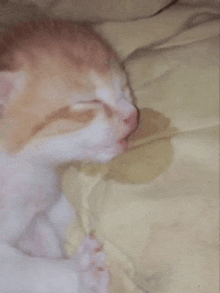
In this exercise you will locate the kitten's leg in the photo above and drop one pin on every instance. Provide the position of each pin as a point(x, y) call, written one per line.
point(21, 273)
point(47, 232)
point(24, 274)
point(90, 260)
point(86, 272)
point(42, 239)
point(61, 215)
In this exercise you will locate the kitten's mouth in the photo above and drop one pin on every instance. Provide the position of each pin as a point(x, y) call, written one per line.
point(124, 143)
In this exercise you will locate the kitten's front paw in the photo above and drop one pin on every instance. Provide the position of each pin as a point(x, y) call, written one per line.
point(93, 271)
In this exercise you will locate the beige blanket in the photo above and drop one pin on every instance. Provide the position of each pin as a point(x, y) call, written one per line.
point(155, 208)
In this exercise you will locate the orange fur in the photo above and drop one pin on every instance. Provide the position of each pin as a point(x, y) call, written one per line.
point(40, 104)
point(77, 43)
point(57, 56)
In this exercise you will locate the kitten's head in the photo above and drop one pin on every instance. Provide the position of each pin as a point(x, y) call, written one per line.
point(63, 95)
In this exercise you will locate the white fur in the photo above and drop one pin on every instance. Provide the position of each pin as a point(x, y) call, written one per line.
point(34, 214)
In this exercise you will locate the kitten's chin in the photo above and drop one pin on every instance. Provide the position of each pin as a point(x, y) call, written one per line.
point(106, 155)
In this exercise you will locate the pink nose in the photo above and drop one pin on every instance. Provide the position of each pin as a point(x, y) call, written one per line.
point(131, 121)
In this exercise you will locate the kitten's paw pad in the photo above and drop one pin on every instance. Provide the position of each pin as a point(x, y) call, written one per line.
point(92, 266)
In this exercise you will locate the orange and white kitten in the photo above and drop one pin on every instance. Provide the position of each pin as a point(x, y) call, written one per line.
point(63, 97)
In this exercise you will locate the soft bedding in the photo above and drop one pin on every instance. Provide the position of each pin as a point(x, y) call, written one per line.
point(155, 208)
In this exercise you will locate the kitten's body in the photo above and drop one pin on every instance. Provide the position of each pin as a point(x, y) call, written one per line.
point(63, 98)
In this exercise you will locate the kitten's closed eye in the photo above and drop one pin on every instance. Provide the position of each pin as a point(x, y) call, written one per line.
point(94, 101)
point(84, 104)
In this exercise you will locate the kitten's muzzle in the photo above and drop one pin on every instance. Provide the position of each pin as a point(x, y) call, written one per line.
point(131, 121)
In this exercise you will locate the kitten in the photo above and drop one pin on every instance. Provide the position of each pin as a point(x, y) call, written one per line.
point(63, 97)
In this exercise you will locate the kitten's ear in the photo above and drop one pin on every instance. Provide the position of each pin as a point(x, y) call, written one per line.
point(11, 85)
